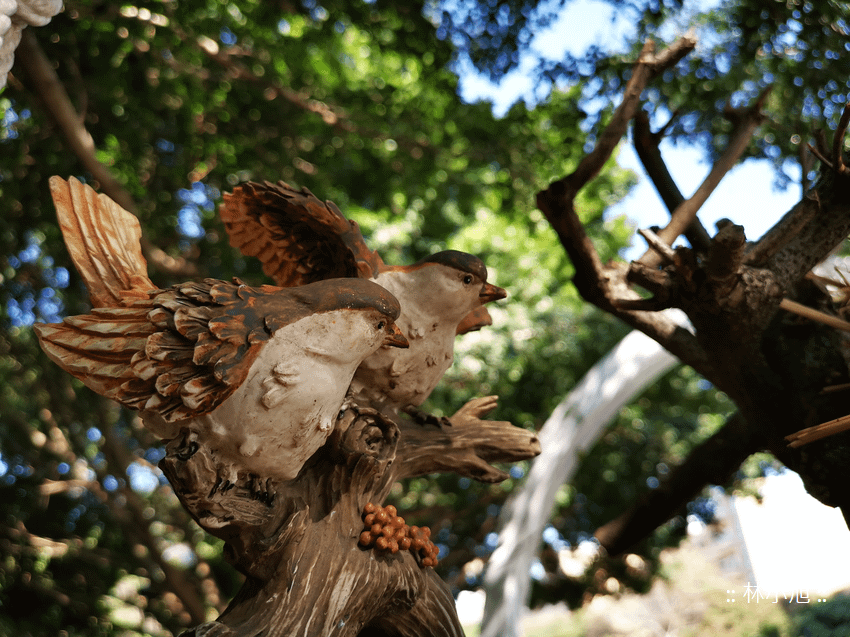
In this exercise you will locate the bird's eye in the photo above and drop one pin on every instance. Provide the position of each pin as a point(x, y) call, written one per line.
point(467, 279)
point(340, 414)
point(381, 325)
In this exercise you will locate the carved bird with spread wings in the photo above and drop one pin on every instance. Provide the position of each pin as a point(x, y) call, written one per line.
point(259, 372)
point(299, 239)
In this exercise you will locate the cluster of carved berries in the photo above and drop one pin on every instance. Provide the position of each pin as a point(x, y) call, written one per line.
point(386, 530)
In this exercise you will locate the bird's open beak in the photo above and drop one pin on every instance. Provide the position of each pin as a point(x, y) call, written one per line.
point(490, 292)
point(395, 338)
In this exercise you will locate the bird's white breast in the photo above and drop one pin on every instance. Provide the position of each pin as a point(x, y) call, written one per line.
point(402, 377)
point(286, 407)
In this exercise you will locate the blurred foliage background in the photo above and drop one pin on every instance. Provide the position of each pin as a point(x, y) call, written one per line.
point(357, 101)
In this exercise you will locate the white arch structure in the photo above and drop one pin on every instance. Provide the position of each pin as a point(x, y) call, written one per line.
point(575, 424)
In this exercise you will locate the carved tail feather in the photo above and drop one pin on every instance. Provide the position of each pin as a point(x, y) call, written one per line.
point(103, 240)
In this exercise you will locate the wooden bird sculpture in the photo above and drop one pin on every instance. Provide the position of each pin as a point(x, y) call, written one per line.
point(299, 239)
point(260, 373)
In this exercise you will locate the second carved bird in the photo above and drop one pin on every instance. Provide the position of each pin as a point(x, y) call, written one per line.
point(299, 239)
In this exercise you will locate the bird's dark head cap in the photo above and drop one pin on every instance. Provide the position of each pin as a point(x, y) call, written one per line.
point(459, 261)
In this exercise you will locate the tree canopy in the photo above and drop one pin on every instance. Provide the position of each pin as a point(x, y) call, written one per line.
point(163, 106)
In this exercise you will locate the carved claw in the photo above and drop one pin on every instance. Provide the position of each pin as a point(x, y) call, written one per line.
point(476, 409)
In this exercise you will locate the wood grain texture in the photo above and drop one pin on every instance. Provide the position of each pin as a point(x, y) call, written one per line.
point(297, 541)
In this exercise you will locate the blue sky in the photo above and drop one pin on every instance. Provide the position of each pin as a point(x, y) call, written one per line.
point(746, 195)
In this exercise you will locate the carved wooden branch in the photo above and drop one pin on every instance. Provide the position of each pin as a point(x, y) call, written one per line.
point(467, 447)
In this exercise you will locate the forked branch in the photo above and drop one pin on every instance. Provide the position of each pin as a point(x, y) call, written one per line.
point(605, 285)
point(646, 145)
point(685, 213)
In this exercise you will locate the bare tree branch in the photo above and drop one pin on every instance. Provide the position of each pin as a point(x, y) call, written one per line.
point(712, 462)
point(646, 146)
point(814, 315)
point(665, 252)
point(56, 101)
point(685, 213)
point(818, 432)
point(648, 66)
point(772, 368)
point(605, 285)
point(54, 98)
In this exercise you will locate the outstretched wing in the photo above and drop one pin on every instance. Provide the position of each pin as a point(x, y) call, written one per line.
point(183, 351)
point(180, 353)
point(97, 348)
point(103, 241)
point(298, 238)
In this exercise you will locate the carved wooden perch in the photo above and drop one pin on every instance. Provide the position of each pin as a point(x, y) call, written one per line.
point(297, 541)
point(773, 364)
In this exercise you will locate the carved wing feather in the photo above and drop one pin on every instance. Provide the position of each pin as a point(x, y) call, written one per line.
point(159, 355)
point(298, 238)
point(98, 352)
point(103, 240)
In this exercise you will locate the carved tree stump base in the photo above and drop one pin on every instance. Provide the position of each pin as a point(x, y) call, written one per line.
point(297, 541)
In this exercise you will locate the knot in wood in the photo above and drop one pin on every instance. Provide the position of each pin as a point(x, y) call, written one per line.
point(363, 431)
point(725, 256)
